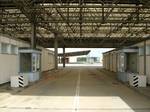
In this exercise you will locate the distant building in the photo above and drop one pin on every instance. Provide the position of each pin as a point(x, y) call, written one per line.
point(71, 54)
point(88, 60)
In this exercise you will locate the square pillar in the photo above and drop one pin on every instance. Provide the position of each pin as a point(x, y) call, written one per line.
point(56, 52)
point(33, 37)
point(64, 58)
point(144, 58)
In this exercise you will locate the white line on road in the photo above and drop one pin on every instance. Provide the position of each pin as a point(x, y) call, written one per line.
point(77, 97)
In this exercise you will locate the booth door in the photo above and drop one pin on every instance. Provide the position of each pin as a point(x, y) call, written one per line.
point(132, 62)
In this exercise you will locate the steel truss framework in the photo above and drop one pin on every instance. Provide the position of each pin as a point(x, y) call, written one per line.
point(77, 23)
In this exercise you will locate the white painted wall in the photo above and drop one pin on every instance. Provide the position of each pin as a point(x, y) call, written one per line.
point(8, 67)
point(114, 62)
point(107, 61)
point(141, 61)
point(141, 65)
point(110, 61)
point(47, 60)
point(9, 62)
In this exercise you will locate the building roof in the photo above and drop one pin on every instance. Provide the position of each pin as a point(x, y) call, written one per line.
point(78, 53)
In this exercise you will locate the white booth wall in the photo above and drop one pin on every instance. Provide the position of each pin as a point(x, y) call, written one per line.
point(110, 61)
point(141, 59)
point(47, 58)
point(115, 62)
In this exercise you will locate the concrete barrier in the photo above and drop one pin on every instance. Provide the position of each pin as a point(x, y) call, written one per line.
point(136, 80)
point(19, 81)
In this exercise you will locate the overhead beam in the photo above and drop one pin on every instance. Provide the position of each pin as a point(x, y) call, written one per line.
point(76, 21)
point(93, 42)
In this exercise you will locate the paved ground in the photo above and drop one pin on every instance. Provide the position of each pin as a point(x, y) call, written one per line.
point(78, 89)
point(82, 64)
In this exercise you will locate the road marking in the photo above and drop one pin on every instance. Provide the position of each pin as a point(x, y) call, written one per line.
point(77, 97)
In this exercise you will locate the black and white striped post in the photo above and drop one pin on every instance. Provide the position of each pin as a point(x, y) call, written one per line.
point(135, 81)
point(21, 81)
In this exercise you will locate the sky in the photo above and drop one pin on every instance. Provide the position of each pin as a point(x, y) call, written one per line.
point(95, 52)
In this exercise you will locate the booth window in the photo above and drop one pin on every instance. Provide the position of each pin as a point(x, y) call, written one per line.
point(25, 62)
point(141, 51)
point(13, 49)
point(4, 48)
point(148, 50)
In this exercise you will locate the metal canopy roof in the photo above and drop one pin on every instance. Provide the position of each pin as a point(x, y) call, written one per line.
point(78, 53)
point(77, 23)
